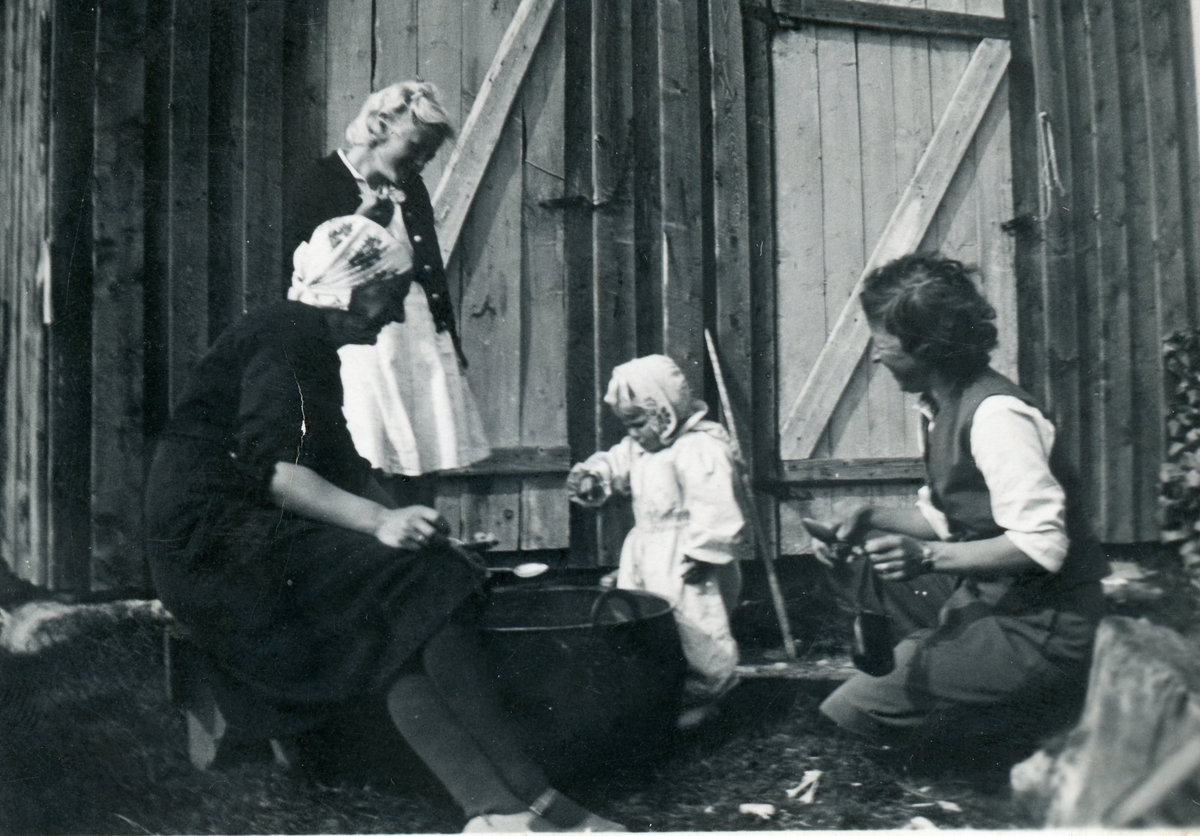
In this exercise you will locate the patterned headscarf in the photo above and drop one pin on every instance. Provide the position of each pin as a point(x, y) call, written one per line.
point(655, 386)
point(342, 254)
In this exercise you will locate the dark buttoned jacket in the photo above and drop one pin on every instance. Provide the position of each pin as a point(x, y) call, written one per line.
point(327, 189)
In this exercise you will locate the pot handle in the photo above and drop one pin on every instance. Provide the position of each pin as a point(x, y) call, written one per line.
point(608, 595)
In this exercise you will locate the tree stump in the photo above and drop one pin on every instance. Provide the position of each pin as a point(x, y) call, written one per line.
point(1134, 755)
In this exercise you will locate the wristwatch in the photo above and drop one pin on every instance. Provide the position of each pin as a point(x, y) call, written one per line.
point(926, 558)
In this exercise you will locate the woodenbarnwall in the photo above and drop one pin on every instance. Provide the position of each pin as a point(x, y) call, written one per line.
point(630, 196)
point(1100, 259)
point(154, 136)
point(1107, 184)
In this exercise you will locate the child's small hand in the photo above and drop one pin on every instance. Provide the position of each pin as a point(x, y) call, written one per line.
point(698, 572)
point(585, 488)
point(608, 581)
point(590, 488)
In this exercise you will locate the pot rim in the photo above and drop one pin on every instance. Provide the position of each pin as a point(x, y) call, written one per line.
point(587, 625)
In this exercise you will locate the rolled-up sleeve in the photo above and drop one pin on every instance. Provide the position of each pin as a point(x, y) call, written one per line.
point(1011, 442)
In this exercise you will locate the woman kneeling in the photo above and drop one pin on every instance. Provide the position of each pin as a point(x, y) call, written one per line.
point(992, 579)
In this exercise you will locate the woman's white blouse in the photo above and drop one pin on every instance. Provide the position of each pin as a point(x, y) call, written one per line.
point(1011, 443)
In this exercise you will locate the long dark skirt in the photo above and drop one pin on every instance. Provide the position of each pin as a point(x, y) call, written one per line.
point(298, 610)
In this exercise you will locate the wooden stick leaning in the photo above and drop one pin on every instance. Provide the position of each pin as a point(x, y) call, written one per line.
point(760, 539)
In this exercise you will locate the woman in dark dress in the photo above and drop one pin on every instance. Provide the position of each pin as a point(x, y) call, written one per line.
point(263, 544)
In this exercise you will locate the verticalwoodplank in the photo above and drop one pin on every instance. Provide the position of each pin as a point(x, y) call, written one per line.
point(545, 513)
point(800, 241)
point(493, 506)
point(1088, 250)
point(440, 62)
point(881, 185)
point(731, 229)
point(227, 154)
point(262, 168)
point(187, 193)
point(613, 291)
point(543, 334)
point(842, 203)
point(1115, 425)
point(757, 47)
point(1139, 227)
point(491, 256)
point(955, 224)
point(448, 503)
point(1058, 254)
point(349, 68)
point(304, 83)
point(580, 381)
point(397, 42)
point(611, 197)
point(799, 283)
point(680, 184)
point(995, 207)
point(118, 227)
point(68, 423)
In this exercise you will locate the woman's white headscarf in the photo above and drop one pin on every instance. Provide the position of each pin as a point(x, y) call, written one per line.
point(342, 254)
point(655, 386)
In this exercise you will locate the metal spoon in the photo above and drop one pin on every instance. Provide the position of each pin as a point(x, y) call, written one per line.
point(522, 570)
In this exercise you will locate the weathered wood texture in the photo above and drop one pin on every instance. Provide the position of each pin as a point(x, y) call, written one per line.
point(1106, 215)
point(663, 167)
point(24, 200)
point(663, 174)
point(906, 138)
point(118, 277)
point(1142, 711)
point(69, 335)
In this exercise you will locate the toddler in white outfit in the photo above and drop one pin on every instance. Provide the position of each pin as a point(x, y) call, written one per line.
point(688, 532)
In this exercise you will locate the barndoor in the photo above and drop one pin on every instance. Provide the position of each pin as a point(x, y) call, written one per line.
point(891, 135)
point(497, 196)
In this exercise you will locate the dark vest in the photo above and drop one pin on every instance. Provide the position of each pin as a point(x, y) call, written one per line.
point(958, 490)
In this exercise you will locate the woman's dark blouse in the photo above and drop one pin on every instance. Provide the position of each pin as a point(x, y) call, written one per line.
point(303, 610)
point(326, 189)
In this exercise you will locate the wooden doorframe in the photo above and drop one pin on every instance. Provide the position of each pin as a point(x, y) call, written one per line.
point(834, 367)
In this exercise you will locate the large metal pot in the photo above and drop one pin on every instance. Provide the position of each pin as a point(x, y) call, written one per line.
point(592, 676)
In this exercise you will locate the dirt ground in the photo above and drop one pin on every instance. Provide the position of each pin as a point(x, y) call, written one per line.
point(90, 744)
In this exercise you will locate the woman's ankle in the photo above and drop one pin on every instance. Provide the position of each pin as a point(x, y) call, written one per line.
point(557, 809)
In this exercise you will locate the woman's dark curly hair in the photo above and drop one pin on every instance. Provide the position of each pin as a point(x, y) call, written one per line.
point(931, 304)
